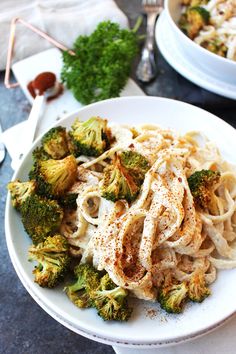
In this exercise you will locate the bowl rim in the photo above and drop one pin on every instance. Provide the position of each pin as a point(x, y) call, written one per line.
point(110, 341)
point(191, 42)
point(66, 322)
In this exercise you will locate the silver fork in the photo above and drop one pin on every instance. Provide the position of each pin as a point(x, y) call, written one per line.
point(147, 69)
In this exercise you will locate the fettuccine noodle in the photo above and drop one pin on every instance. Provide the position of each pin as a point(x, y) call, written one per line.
point(162, 232)
point(219, 35)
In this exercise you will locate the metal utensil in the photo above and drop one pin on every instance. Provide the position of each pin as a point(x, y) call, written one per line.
point(2, 147)
point(147, 69)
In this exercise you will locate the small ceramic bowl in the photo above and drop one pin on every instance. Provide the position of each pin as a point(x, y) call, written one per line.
point(217, 66)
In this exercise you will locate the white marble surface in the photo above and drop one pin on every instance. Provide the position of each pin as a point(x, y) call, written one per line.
point(220, 341)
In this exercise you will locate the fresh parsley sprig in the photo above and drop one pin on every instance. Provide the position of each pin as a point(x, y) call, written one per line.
point(102, 62)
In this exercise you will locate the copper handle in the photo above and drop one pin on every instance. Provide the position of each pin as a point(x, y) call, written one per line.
point(12, 42)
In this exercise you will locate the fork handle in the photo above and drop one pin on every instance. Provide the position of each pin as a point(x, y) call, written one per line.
point(147, 69)
point(151, 20)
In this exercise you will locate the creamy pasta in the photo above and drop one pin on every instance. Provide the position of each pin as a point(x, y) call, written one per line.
point(214, 27)
point(161, 233)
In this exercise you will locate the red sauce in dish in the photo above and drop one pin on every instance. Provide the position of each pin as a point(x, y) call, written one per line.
point(44, 81)
point(31, 89)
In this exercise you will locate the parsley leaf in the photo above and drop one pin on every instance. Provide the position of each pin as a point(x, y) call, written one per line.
point(102, 62)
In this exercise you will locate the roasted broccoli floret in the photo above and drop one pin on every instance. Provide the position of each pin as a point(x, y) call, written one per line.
point(90, 290)
point(90, 138)
point(197, 289)
point(55, 143)
point(20, 191)
point(202, 185)
point(135, 163)
point(106, 283)
point(87, 281)
point(68, 201)
point(216, 46)
point(41, 217)
point(54, 177)
point(172, 298)
point(118, 183)
point(53, 260)
point(40, 154)
point(110, 301)
point(195, 18)
point(194, 2)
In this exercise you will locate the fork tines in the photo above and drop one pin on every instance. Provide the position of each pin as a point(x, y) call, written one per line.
point(152, 2)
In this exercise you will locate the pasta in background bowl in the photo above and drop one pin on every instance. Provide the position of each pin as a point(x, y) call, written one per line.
point(215, 65)
point(211, 24)
point(197, 318)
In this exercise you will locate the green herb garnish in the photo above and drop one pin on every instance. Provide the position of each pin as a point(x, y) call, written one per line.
point(102, 62)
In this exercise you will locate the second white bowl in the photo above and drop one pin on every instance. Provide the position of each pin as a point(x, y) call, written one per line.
point(215, 65)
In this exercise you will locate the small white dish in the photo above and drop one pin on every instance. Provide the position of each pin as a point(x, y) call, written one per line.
point(171, 49)
point(142, 331)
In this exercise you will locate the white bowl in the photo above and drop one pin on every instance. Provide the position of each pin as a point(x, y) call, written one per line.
point(141, 331)
point(215, 65)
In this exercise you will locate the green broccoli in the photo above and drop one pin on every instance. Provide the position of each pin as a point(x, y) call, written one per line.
point(172, 297)
point(40, 154)
point(90, 138)
point(87, 280)
point(110, 301)
point(20, 191)
point(197, 2)
point(118, 183)
point(41, 217)
point(53, 260)
point(215, 45)
point(185, 2)
point(92, 290)
point(54, 177)
point(68, 200)
point(197, 290)
point(135, 163)
point(106, 283)
point(202, 184)
point(55, 143)
point(194, 19)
